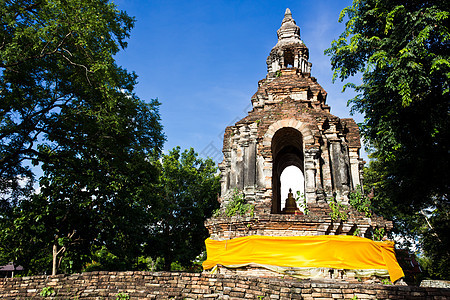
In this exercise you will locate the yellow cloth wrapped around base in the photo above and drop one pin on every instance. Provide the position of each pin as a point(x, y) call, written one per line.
point(324, 251)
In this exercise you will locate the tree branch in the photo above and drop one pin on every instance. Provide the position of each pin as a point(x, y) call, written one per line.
point(78, 65)
point(41, 55)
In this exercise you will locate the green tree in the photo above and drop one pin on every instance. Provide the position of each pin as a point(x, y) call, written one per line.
point(401, 49)
point(23, 236)
point(68, 108)
point(189, 188)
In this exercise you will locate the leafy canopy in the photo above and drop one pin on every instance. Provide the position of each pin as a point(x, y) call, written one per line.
point(67, 108)
point(187, 195)
point(60, 85)
point(401, 50)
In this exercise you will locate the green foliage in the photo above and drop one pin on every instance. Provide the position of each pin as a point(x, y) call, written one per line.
point(378, 234)
point(68, 108)
point(360, 201)
point(429, 226)
point(386, 281)
point(401, 51)
point(301, 202)
point(186, 196)
point(103, 259)
point(176, 266)
point(147, 263)
point(434, 234)
point(47, 291)
point(338, 210)
point(122, 296)
point(238, 206)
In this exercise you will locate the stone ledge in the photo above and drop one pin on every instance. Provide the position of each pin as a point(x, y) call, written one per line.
point(177, 285)
point(317, 222)
point(436, 283)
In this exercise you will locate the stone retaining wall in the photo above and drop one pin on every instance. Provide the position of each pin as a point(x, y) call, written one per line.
point(436, 283)
point(165, 285)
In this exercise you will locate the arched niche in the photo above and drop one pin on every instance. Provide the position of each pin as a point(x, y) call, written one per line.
point(291, 178)
point(288, 58)
point(287, 150)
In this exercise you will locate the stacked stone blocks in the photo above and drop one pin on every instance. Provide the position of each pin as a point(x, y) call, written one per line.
point(165, 285)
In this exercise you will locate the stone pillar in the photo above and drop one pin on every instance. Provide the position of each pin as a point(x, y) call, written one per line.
point(354, 167)
point(326, 170)
point(250, 171)
point(224, 168)
point(320, 192)
point(361, 171)
point(234, 160)
point(240, 168)
point(281, 60)
point(275, 66)
point(335, 149)
point(260, 176)
point(340, 169)
point(250, 166)
point(310, 175)
point(232, 175)
point(308, 68)
point(344, 168)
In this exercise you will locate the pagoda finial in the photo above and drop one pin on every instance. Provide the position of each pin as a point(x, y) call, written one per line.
point(289, 52)
point(289, 31)
point(288, 14)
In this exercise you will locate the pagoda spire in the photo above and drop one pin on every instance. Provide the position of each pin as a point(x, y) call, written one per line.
point(288, 13)
point(290, 51)
point(289, 32)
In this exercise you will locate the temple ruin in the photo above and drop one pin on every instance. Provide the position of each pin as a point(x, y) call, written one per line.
point(290, 125)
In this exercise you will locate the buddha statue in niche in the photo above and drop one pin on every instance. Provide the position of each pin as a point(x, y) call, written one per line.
point(291, 205)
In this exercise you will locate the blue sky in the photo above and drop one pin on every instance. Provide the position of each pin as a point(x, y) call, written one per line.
point(203, 60)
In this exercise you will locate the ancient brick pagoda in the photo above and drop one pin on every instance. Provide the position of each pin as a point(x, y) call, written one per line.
point(290, 125)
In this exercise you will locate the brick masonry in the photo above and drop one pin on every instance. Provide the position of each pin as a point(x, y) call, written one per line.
point(290, 124)
point(317, 222)
point(170, 285)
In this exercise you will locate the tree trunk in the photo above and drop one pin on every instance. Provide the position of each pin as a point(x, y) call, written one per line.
point(55, 254)
point(167, 264)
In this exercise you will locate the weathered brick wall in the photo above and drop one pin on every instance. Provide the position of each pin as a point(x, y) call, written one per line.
point(164, 285)
point(316, 222)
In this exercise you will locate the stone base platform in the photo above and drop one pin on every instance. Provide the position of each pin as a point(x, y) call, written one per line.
point(316, 222)
point(333, 275)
